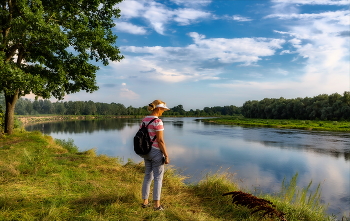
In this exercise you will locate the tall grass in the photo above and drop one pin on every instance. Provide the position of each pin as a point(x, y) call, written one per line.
point(46, 179)
point(303, 197)
point(301, 203)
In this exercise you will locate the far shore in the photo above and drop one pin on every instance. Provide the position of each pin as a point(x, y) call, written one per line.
point(314, 125)
point(33, 119)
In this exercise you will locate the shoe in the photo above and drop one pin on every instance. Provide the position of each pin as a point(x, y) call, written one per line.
point(159, 208)
point(145, 205)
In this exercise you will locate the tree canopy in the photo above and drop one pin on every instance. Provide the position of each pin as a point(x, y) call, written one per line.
point(320, 107)
point(48, 47)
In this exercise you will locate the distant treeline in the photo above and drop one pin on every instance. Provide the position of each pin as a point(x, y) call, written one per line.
point(30, 107)
point(321, 107)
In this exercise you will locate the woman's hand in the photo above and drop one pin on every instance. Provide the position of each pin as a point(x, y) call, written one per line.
point(167, 161)
point(161, 145)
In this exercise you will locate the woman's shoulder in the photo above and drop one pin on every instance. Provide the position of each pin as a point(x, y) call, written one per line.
point(156, 121)
point(149, 118)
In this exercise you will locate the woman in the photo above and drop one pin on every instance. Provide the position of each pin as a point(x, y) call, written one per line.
point(157, 157)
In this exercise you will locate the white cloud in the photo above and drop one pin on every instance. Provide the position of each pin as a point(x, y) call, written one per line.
point(236, 50)
point(280, 71)
point(158, 15)
point(125, 93)
point(314, 2)
point(286, 52)
point(241, 18)
point(130, 28)
point(255, 75)
point(341, 17)
point(204, 59)
point(132, 8)
point(187, 16)
point(190, 3)
point(317, 39)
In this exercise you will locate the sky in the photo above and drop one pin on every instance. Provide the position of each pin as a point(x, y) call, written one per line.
point(206, 53)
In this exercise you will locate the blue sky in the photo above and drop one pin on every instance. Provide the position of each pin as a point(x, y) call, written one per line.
point(205, 53)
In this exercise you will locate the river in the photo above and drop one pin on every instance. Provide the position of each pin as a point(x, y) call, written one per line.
point(259, 158)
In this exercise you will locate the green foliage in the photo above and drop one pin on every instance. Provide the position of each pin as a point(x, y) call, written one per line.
point(304, 109)
point(321, 107)
point(56, 27)
point(303, 199)
point(47, 47)
point(28, 107)
point(69, 145)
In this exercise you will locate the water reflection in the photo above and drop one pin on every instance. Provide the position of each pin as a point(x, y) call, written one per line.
point(260, 157)
point(83, 126)
point(334, 144)
point(329, 143)
point(178, 124)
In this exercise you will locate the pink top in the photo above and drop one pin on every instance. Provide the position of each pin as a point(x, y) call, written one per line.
point(156, 125)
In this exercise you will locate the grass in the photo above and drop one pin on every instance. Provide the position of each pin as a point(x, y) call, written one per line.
point(46, 179)
point(341, 126)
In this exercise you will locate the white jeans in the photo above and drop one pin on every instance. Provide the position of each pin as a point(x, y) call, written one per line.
point(154, 169)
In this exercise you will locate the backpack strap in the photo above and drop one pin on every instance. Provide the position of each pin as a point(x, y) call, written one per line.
point(151, 121)
point(155, 136)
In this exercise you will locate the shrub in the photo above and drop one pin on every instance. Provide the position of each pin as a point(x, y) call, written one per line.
point(69, 145)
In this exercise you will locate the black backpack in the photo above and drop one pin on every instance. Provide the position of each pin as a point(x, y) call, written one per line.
point(142, 140)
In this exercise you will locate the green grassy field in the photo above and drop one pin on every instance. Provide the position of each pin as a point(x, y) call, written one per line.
point(46, 179)
point(343, 126)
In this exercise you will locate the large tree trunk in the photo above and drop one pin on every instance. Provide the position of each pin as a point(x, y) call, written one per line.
point(10, 112)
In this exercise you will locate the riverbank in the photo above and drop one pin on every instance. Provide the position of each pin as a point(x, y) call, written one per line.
point(341, 126)
point(43, 118)
point(317, 125)
point(30, 119)
point(46, 179)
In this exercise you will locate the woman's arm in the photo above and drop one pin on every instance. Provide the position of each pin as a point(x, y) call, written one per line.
point(161, 145)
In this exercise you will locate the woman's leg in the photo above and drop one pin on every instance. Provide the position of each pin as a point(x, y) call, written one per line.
point(158, 173)
point(147, 180)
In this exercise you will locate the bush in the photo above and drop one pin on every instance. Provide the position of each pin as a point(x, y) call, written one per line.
point(69, 145)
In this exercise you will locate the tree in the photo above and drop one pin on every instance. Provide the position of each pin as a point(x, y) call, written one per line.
point(178, 109)
point(47, 46)
point(59, 108)
point(118, 109)
point(37, 106)
point(47, 107)
point(21, 107)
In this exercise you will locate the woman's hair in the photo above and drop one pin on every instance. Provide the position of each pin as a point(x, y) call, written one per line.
point(153, 105)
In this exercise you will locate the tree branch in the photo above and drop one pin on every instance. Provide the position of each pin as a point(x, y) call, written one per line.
point(20, 56)
point(11, 52)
